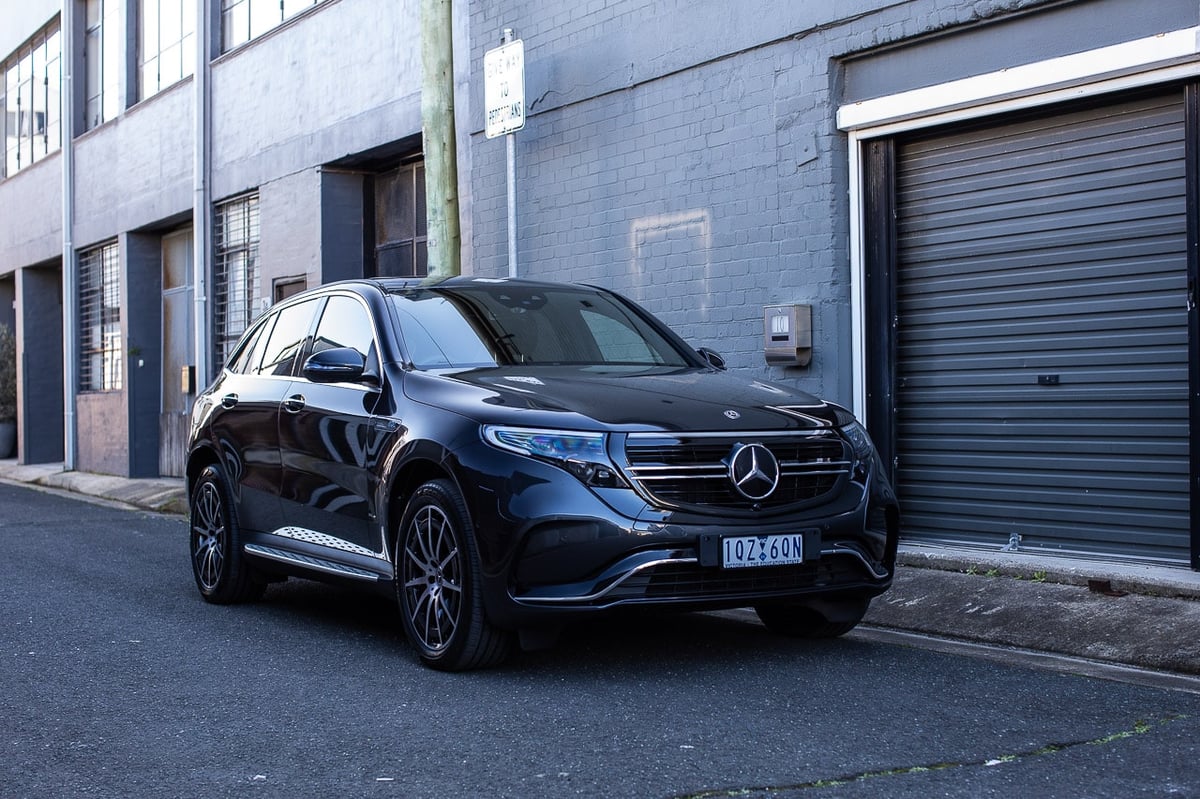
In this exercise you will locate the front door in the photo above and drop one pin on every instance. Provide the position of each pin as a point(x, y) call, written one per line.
point(326, 433)
point(177, 338)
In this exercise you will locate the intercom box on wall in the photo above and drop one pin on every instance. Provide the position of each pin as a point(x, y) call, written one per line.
point(788, 334)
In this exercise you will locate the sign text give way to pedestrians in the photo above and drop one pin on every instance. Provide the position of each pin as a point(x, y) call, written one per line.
point(504, 88)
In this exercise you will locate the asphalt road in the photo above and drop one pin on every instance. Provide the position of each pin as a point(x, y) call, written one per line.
point(117, 680)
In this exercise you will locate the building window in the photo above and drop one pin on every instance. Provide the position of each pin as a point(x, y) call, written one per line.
point(235, 272)
point(29, 98)
point(243, 20)
point(100, 319)
point(400, 224)
point(102, 61)
point(167, 51)
point(285, 287)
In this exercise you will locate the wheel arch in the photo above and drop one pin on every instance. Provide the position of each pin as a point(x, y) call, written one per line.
point(414, 473)
point(200, 458)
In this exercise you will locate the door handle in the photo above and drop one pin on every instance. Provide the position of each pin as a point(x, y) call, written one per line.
point(294, 403)
point(229, 400)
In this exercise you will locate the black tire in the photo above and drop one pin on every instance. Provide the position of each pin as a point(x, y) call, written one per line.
point(437, 584)
point(221, 571)
point(826, 620)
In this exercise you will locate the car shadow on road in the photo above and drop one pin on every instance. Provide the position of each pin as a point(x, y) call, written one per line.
point(611, 642)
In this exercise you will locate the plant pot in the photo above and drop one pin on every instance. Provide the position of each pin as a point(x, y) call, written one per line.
point(8, 439)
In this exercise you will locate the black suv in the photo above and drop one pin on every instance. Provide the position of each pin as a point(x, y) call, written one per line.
point(507, 455)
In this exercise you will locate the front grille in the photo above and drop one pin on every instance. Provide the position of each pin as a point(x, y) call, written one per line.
point(691, 470)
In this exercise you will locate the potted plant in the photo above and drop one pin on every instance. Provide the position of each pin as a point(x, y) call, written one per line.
point(8, 391)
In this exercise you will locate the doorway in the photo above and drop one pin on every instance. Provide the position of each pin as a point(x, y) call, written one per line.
point(178, 390)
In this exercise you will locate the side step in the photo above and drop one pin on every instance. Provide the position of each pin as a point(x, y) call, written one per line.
point(310, 562)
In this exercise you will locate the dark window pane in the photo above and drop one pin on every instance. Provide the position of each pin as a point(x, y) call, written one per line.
point(344, 323)
point(287, 339)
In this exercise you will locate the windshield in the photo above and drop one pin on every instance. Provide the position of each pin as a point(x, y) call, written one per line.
point(496, 324)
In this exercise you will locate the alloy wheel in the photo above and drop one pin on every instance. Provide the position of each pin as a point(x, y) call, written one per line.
point(433, 578)
point(208, 534)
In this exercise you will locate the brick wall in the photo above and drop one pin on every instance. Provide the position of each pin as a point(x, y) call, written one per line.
point(686, 154)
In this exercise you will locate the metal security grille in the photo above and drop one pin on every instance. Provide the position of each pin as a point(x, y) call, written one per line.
point(235, 272)
point(100, 319)
point(1042, 366)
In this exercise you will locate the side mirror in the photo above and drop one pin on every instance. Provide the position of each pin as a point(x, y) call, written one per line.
point(712, 358)
point(337, 365)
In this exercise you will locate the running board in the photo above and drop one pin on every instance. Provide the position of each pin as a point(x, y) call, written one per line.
point(309, 562)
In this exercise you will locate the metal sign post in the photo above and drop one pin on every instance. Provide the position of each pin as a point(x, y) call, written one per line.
point(504, 102)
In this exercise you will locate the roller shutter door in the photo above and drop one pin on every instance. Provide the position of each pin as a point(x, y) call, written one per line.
point(1042, 350)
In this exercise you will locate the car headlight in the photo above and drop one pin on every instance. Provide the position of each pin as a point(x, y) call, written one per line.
point(860, 442)
point(583, 454)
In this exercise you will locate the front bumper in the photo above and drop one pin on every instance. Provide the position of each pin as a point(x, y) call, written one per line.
point(552, 548)
point(691, 575)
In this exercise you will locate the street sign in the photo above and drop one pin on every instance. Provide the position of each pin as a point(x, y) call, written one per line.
point(504, 88)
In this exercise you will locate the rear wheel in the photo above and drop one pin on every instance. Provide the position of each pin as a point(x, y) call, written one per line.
point(221, 571)
point(438, 584)
point(821, 620)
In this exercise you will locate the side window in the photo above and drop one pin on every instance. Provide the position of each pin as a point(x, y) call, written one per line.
point(287, 339)
point(250, 355)
point(617, 342)
point(345, 323)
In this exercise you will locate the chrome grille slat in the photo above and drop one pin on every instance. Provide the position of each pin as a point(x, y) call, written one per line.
point(687, 470)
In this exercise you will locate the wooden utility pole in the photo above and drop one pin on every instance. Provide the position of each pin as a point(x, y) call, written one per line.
point(441, 154)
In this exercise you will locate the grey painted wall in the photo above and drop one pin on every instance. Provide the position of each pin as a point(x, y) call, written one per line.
point(31, 222)
point(351, 82)
point(290, 228)
point(1017, 39)
point(136, 170)
point(686, 153)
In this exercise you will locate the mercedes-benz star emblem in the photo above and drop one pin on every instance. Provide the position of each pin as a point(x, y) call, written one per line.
point(753, 471)
point(732, 414)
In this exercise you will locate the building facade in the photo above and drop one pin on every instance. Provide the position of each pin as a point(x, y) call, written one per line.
point(989, 206)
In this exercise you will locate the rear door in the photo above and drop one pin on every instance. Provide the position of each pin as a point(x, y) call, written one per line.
point(245, 424)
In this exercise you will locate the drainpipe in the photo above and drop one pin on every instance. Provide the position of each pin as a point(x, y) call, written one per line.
point(202, 192)
point(69, 287)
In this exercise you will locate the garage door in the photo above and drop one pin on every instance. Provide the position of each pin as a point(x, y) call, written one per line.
point(1042, 351)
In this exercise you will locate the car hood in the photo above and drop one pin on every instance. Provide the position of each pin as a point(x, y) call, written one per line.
point(622, 399)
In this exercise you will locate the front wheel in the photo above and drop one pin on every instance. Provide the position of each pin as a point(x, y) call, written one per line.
point(438, 587)
point(221, 572)
point(812, 620)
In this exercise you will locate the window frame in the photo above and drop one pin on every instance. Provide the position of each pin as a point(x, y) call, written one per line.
point(255, 18)
point(37, 142)
point(102, 76)
point(411, 173)
point(185, 44)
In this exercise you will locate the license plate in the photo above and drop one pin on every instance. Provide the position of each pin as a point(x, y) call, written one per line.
point(745, 551)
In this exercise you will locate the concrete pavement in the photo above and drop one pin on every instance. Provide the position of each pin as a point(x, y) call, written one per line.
point(1146, 616)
